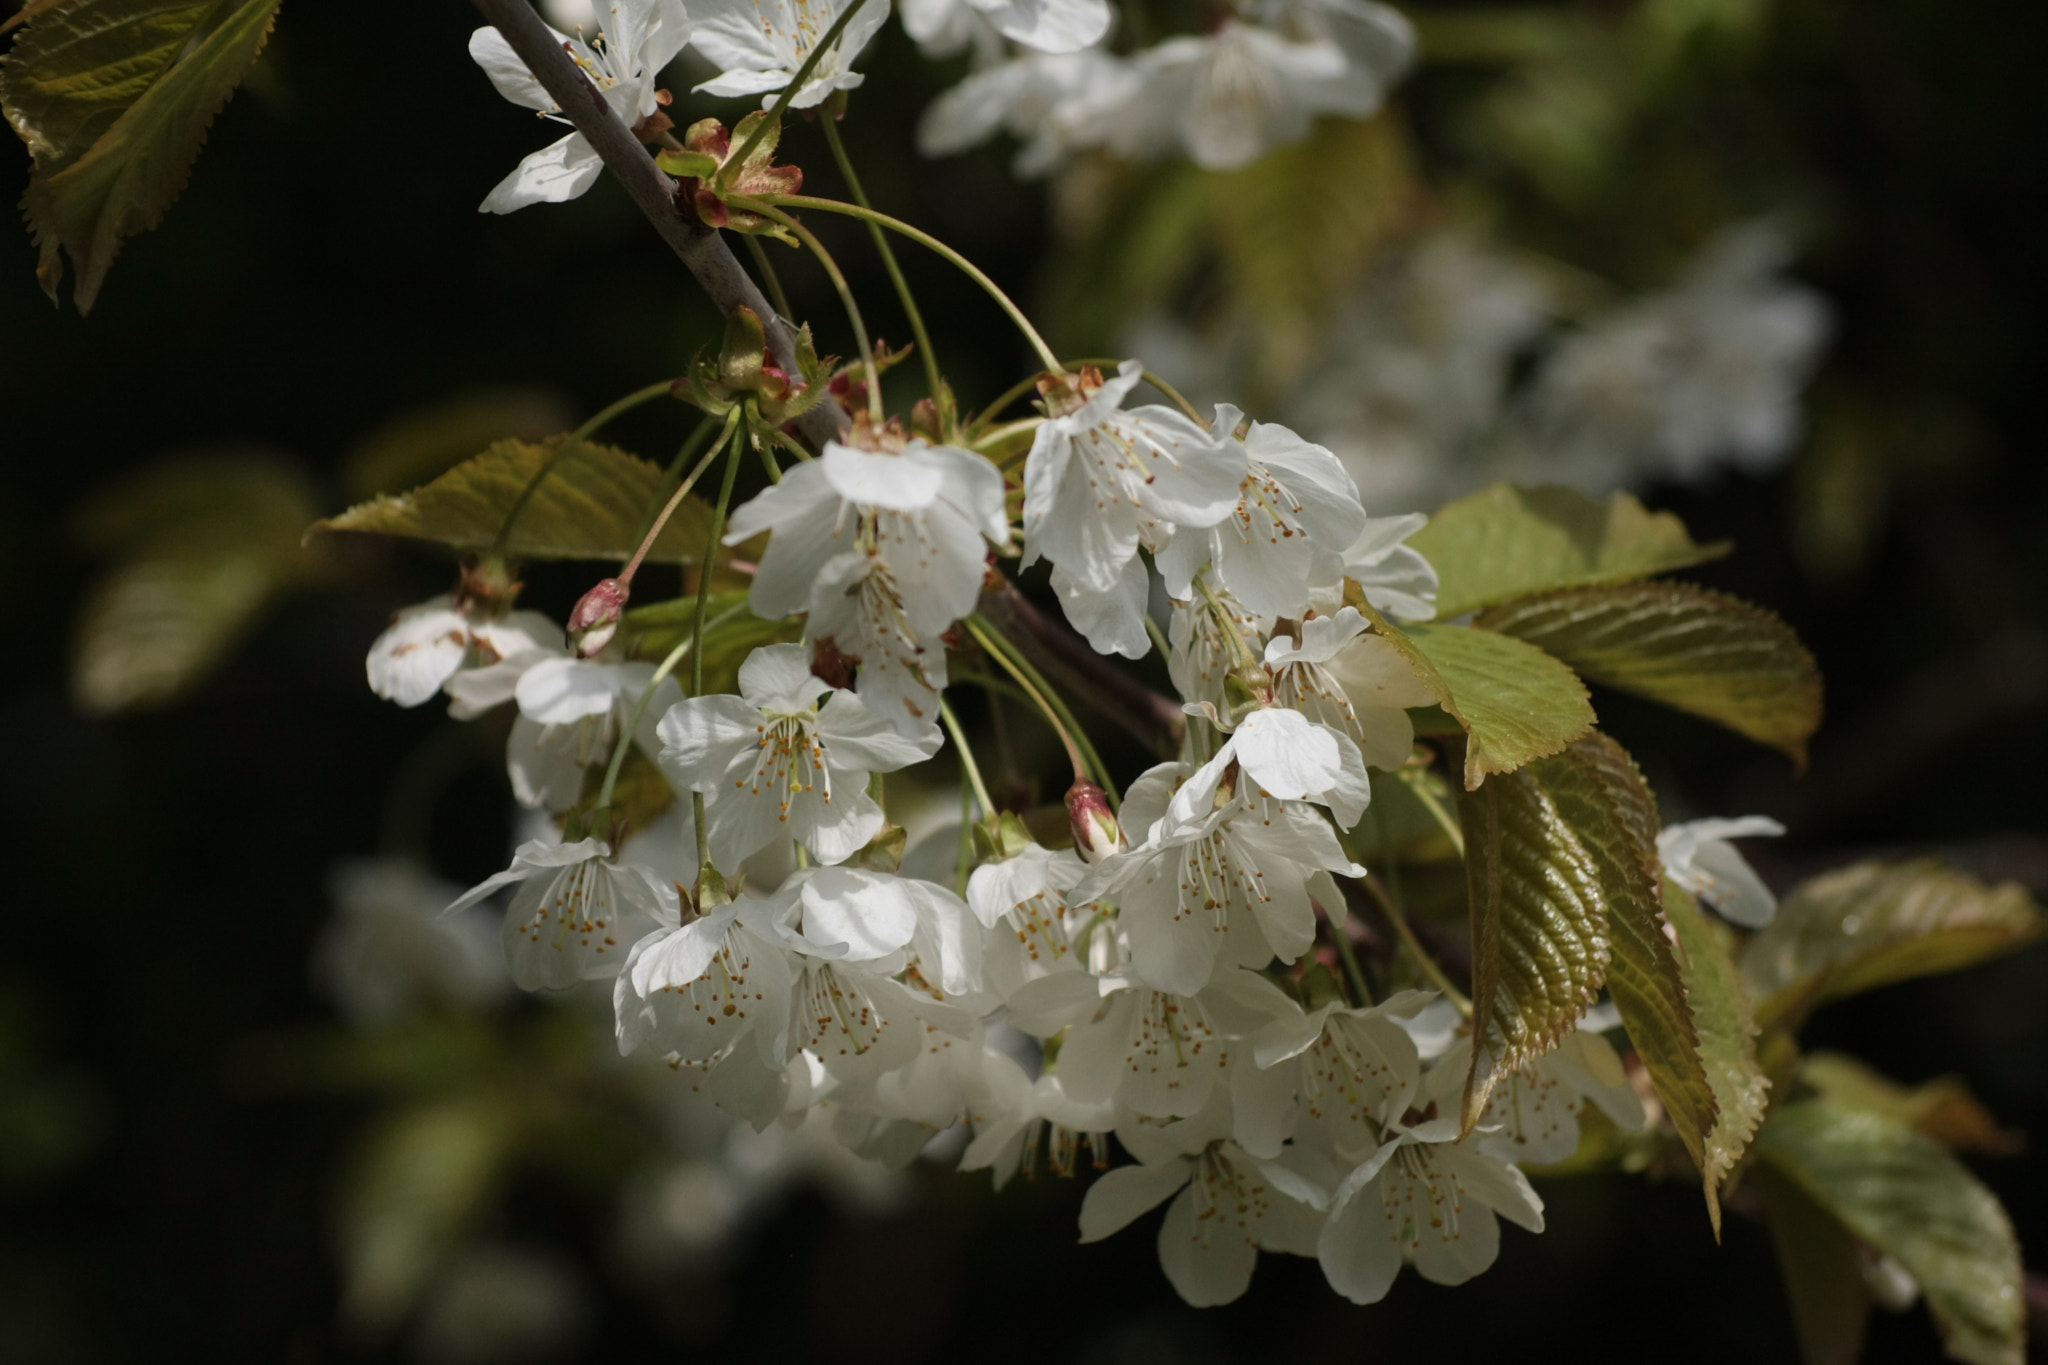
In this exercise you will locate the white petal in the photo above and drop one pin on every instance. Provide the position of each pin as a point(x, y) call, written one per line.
point(879, 481)
point(418, 652)
point(1288, 755)
point(555, 174)
point(1119, 1196)
point(869, 915)
point(702, 736)
point(778, 680)
point(1208, 1261)
point(859, 741)
point(489, 50)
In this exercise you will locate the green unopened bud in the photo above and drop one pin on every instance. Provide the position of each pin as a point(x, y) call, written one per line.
point(1096, 832)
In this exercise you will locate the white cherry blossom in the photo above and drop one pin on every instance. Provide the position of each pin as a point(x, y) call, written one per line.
point(700, 992)
point(1045, 102)
point(1226, 98)
point(1532, 1116)
point(1016, 1117)
point(852, 934)
point(1378, 44)
point(1699, 857)
point(775, 764)
point(885, 552)
point(758, 45)
point(570, 714)
point(1100, 482)
point(388, 951)
point(1681, 383)
point(1032, 920)
point(943, 28)
point(577, 911)
point(1227, 1205)
point(431, 646)
point(1394, 576)
point(1148, 1051)
point(1426, 1199)
point(1286, 537)
point(1339, 675)
point(848, 914)
point(1228, 879)
point(640, 38)
point(1201, 655)
point(1349, 1070)
point(1287, 757)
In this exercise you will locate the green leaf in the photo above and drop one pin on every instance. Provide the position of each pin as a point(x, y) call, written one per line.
point(201, 543)
point(1516, 702)
point(1607, 804)
point(1943, 1108)
point(421, 1179)
point(591, 505)
point(1898, 1190)
point(1727, 1032)
point(1539, 927)
point(1871, 924)
point(1506, 542)
point(651, 632)
point(1695, 650)
point(113, 98)
point(424, 443)
point(1823, 1271)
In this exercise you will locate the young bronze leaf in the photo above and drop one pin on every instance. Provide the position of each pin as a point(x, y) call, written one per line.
point(113, 98)
point(1871, 924)
point(1539, 928)
point(1506, 542)
point(590, 505)
point(1516, 702)
point(1901, 1192)
point(1821, 1263)
point(1698, 651)
point(1727, 1032)
point(1606, 802)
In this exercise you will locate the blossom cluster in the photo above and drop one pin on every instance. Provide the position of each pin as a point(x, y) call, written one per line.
point(1144, 982)
point(1044, 72)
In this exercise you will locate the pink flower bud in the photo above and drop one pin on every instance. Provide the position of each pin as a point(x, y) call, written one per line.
point(596, 617)
point(1096, 833)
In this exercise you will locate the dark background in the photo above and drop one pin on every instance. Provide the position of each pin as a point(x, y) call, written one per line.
point(326, 271)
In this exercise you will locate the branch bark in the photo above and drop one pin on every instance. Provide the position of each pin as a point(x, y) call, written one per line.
point(703, 251)
point(1082, 674)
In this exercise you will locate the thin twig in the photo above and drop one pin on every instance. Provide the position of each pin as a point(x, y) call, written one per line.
point(702, 251)
point(1127, 703)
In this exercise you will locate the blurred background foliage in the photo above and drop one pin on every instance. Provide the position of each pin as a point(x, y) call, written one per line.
point(211, 1142)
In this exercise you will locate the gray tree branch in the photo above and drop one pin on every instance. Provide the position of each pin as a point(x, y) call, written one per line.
point(702, 250)
point(1055, 649)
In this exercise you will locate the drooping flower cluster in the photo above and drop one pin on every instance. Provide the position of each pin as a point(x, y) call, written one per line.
point(1180, 975)
point(1166, 981)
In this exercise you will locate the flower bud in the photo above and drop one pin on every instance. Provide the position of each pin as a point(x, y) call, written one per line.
point(1096, 833)
point(596, 617)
